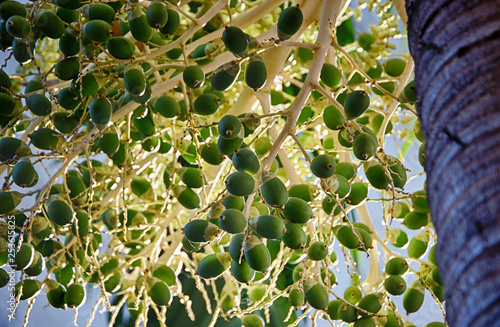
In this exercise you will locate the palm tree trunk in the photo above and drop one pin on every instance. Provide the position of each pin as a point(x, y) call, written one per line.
point(456, 48)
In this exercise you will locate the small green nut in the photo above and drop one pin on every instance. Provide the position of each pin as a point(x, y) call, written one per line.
point(352, 294)
point(348, 238)
point(55, 294)
point(200, 230)
point(297, 210)
point(30, 288)
point(256, 73)
point(235, 40)
point(100, 111)
point(193, 76)
point(418, 245)
point(24, 257)
point(289, 22)
point(120, 47)
point(333, 118)
point(395, 285)
point(232, 221)
point(397, 237)
point(213, 265)
point(296, 297)
point(252, 320)
point(359, 192)
point(396, 266)
point(229, 127)
point(167, 106)
point(419, 201)
point(159, 292)
point(356, 103)
point(240, 184)
point(97, 30)
point(414, 297)
point(376, 175)
point(134, 80)
point(39, 104)
point(416, 220)
point(24, 174)
point(294, 237)
point(257, 254)
point(157, 15)
point(268, 226)
point(37, 266)
point(75, 295)
point(323, 166)
point(225, 77)
point(330, 75)
point(370, 303)
point(242, 271)
point(394, 67)
point(273, 190)
point(317, 251)
point(60, 212)
point(244, 159)
point(206, 104)
point(316, 294)
point(364, 146)
point(188, 198)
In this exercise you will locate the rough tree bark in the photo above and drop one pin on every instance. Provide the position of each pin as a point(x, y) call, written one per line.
point(455, 46)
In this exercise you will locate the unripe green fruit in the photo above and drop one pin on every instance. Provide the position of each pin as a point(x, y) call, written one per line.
point(301, 191)
point(234, 202)
point(396, 266)
point(75, 295)
point(352, 294)
point(252, 320)
point(139, 27)
point(188, 198)
point(11, 8)
point(235, 247)
point(347, 312)
point(67, 99)
point(333, 118)
point(242, 271)
point(273, 191)
point(121, 47)
point(159, 292)
point(76, 187)
point(228, 147)
point(225, 76)
point(370, 303)
point(18, 26)
point(416, 220)
point(135, 81)
point(364, 146)
point(97, 30)
point(294, 237)
point(359, 192)
point(316, 295)
point(55, 294)
point(409, 92)
point(244, 159)
point(418, 245)
point(395, 285)
point(39, 104)
point(200, 230)
point(8, 105)
point(240, 184)
point(235, 40)
point(67, 69)
point(9, 201)
point(419, 201)
point(100, 111)
point(375, 173)
point(330, 75)
point(100, 11)
point(191, 176)
point(414, 297)
point(173, 23)
point(297, 210)
point(46, 139)
point(156, 15)
point(366, 322)
point(232, 221)
point(60, 213)
point(394, 67)
point(296, 297)
point(213, 265)
point(109, 142)
point(333, 309)
point(356, 103)
point(398, 237)
point(256, 73)
point(24, 173)
point(5, 82)
point(317, 251)
point(289, 22)
point(193, 76)
point(257, 254)
point(30, 288)
point(211, 154)
point(346, 169)
point(206, 104)
point(24, 257)
point(398, 173)
point(167, 106)
point(347, 238)
point(164, 273)
point(323, 166)
point(50, 24)
point(344, 187)
point(268, 226)
point(21, 52)
point(37, 266)
point(229, 127)
point(436, 324)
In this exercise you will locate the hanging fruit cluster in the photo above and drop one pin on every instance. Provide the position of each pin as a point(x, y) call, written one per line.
point(205, 139)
